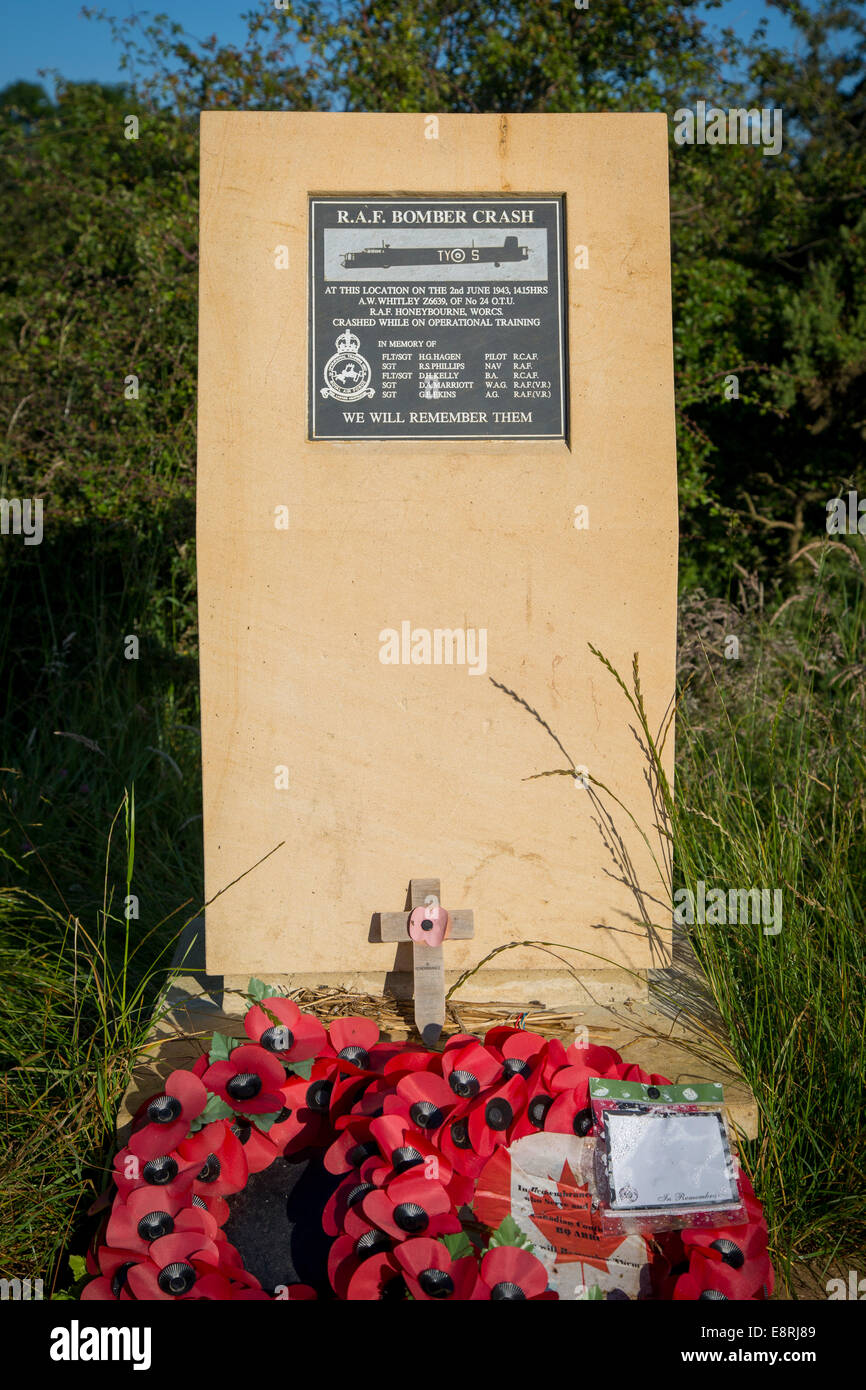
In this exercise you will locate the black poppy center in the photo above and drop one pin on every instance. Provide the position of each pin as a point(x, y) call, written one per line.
point(358, 1193)
point(712, 1296)
point(118, 1278)
point(460, 1134)
point(371, 1243)
point(405, 1157)
point(582, 1123)
point(318, 1096)
point(515, 1066)
point(154, 1225)
point(538, 1108)
point(242, 1130)
point(426, 1115)
point(394, 1289)
point(277, 1039)
point(730, 1252)
point(359, 1055)
point(411, 1218)
point(245, 1085)
point(498, 1114)
point(464, 1084)
point(361, 1152)
point(436, 1283)
point(164, 1110)
point(506, 1292)
point(177, 1278)
point(160, 1170)
point(210, 1169)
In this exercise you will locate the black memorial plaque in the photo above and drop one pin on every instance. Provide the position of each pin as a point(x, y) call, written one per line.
point(437, 318)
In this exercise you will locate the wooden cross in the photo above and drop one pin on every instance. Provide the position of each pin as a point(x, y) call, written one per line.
point(428, 961)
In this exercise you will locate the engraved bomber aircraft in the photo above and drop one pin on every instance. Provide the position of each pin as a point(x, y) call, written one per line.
point(387, 255)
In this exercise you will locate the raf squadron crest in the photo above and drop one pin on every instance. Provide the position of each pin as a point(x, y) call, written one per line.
point(347, 373)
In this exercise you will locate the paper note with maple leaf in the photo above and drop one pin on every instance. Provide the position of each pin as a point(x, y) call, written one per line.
point(545, 1182)
point(566, 1220)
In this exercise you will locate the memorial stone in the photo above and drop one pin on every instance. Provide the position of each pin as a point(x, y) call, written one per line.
point(436, 464)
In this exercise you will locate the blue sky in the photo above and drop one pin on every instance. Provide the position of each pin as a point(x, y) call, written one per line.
point(53, 34)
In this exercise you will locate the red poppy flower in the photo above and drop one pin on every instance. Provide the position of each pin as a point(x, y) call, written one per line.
point(570, 1115)
point(365, 1101)
point(538, 1101)
point(346, 1081)
point(436, 1168)
point(376, 1280)
point(424, 1100)
point(520, 1053)
point(352, 1090)
point(455, 1041)
point(431, 1274)
point(353, 1040)
point(470, 1070)
point(305, 1104)
point(231, 1263)
point(218, 1160)
point(531, 1055)
point(390, 1053)
point(456, 1146)
point(461, 1190)
point(709, 1279)
point(289, 1035)
point(554, 1056)
point(216, 1206)
point(98, 1290)
point(249, 1081)
point(148, 1214)
point(496, 1037)
point(742, 1249)
point(571, 1111)
point(627, 1071)
point(404, 1147)
point(352, 1145)
point(408, 1058)
point(513, 1275)
point(494, 1114)
point(259, 1149)
point(410, 1205)
point(604, 1060)
point(349, 1253)
point(114, 1265)
point(168, 1171)
point(179, 1266)
point(346, 1198)
point(355, 1222)
point(518, 1048)
point(169, 1116)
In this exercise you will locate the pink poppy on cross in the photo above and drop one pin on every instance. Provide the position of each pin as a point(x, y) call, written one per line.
point(427, 925)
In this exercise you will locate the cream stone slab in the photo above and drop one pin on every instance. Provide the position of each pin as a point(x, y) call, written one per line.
point(403, 771)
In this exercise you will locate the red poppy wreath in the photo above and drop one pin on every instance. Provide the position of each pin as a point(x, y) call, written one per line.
point(418, 1147)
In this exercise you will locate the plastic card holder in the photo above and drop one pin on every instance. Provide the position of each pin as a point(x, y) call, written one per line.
point(665, 1157)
